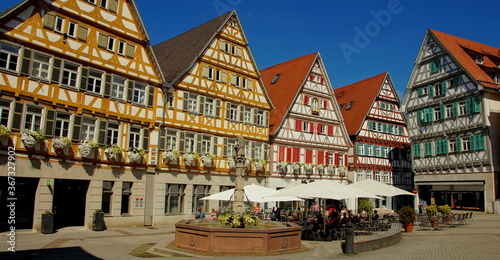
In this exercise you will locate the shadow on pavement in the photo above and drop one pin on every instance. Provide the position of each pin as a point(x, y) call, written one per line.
point(49, 253)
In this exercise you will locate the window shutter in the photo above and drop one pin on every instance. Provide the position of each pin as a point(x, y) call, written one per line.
point(337, 159)
point(102, 133)
point(439, 146)
point(49, 123)
point(298, 125)
point(113, 6)
point(250, 84)
point(480, 142)
point(265, 148)
point(446, 146)
point(233, 79)
point(49, 20)
point(102, 41)
point(224, 77)
point(458, 143)
point(198, 143)
point(130, 50)
point(430, 90)
point(163, 138)
point(205, 71)
point(296, 154)
point(346, 157)
point(435, 66)
point(217, 107)
point(330, 130)
point(311, 128)
point(281, 153)
point(77, 125)
point(182, 137)
point(82, 33)
point(321, 157)
point(384, 128)
point(306, 100)
point(444, 88)
point(266, 119)
point(107, 85)
point(468, 106)
point(185, 101)
point(476, 105)
point(241, 109)
point(83, 78)
point(400, 130)
point(420, 91)
point(222, 45)
point(319, 128)
point(326, 158)
point(130, 91)
point(56, 70)
point(25, 67)
point(455, 108)
point(239, 52)
point(145, 138)
point(358, 148)
point(289, 154)
point(420, 117)
point(201, 105)
point(151, 96)
point(416, 150)
point(18, 115)
point(224, 147)
point(228, 110)
point(443, 112)
point(456, 81)
point(309, 156)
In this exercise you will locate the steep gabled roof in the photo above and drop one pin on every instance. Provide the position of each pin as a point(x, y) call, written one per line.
point(178, 54)
point(284, 90)
point(362, 94)
point(458, 48)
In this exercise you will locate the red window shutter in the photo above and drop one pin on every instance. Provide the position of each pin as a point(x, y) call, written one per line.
point(346, 156)
point(296, 154)
point(325, 103)
point(311, 127)
point(289, 154)
point(306, 99)
point(337, 157)
point(311, 77)
point(281, 154)
point(321, 157)
point(298, 125)
point(322, 80)
point(309, 156)
point(330, 130)
point(327, 158)
point(320, 129)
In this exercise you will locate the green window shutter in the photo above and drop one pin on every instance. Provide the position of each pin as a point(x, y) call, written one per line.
point(476, 104)
point(443, 112)
point(420, 92)
point(370, 125)
point(435, 66)
point(455, 108)
point(456, 81)
point(468, 106)
point(438, 146)
point(472, 141)
point(384, 128)
point(390, 129)
point(446, 146)
point(417, 150)
point(480, 142)
point(400, 130)
point(444, 88)
point(458, 143)
point(430, 90)
point(428, 148)
point(358, 149)
point(365, 151)
point(420, 118)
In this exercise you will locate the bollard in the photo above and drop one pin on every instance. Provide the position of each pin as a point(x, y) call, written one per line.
point(349, 239)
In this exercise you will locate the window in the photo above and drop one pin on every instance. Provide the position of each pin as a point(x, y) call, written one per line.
point(189, 143)
point(62, 123)
point(235, 80)
point(232, 112)
point(72, 29)
point(247, 84)
point(315, 105)
point(220, 76)
point(9, 56)
point(192, 103)
point(341, 160)
point(126, 194)
point(428, 148)
point(224, 46)
point(118, 87)
point(449, 111)
point(208, 72)
point(360, 149)
point(111, 44)
point(360, 175)
point(260, 118)
point(438, 89)
point(69, 74)
point(452, 146)
point(422, 92)
point(369, 150)
point(171, 140)
point(477, 142)
point(231, 143)
point(121, 47)
point(437, 113)
point(174, 198)
point(247, 115)
point(209, 107)
point(112, 133)
point(369, 174)
point(206, 144)
point(95, 80)
point(465, 144)
point(442, 146)
point(275, 79)
point(82, 33)
point(4, 112)
point(103, 3)
point(88, 129)
point(462, 108)
point(139, 93)
point(59, 24)
point(32, 118)
point(378, 176)
point(305, 126)
point(349, 106)
point(200, 191)
point(107, 194)
point(258, 153)
point(130, 50)
point(40, 66)
point(435, 66)
point(134, 137)
point(92, 1)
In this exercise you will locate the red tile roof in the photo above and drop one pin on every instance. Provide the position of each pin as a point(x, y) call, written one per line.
point(457, 47)
point(363, 94)
point(283, 92)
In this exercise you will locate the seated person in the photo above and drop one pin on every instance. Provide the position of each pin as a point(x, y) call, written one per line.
point(199, 214)
point(375, 215)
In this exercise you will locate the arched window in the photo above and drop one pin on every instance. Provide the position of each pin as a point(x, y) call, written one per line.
point(435, 66)
point(315, 106)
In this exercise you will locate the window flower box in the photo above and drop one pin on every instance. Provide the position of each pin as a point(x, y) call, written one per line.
point(190, 158)
point(207, 159)
point(342, 170)
point(296, 166)
point(331, 169)
point(60, 143)
point(309, 167)
point(32, 138)
point(170, 155)
point(113, 152)
point(321, 168)
point(136, 155)
point(282, 166)
point(86, 147)
point(4, 131)
point(259, 164)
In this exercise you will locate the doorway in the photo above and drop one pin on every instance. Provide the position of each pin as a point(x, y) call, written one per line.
point(69, 202)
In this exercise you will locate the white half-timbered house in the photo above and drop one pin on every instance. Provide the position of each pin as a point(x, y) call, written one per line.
point(453, 112)
point(307, 132)
point(381, 147)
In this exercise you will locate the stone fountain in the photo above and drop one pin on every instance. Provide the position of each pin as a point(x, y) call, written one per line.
point(210, 237)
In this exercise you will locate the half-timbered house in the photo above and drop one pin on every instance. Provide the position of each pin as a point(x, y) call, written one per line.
point(218, 96)
point(381, 147)
point(76, 78)
point(308, 137)
point(452, 105)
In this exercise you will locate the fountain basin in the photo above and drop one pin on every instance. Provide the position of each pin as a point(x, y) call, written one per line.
point(208, 237)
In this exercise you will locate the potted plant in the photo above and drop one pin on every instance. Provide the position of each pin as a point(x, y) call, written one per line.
point(32, 138)
point(4, 131)
point(47, 226)
point(407, 217)
point(309, 167)
point(170, 155)
point(86, 147)
point(296, 166)
point(231, 219)
point(259, 164)
point(113, 152)
point(98, 220)
point(445, 211)
point(321, 168)
point(190, 158)
point(135, 155)
point(365, 205)
point(207, 159)
point(331, 169)
point(432, 212)
point(231, 163)
point(60, 143)
point(282, 166)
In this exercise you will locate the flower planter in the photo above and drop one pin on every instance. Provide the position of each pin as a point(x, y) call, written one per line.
point(98, 224)
point(408, 227)
point(47, 226)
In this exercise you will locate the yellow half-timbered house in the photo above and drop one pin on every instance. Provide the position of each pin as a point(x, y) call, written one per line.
point(78, 92)
point(218, 96)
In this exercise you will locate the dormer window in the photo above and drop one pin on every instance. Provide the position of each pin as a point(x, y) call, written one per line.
point(479, 59)
point(275, 79)
point(349, 106)
point(435, 66)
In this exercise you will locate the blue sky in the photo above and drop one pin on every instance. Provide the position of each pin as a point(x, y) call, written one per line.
point(356, 39)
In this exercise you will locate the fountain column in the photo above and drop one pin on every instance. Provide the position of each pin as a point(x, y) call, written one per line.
point(239, 192)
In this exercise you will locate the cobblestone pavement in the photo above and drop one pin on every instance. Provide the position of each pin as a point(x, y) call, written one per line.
point(480, 240)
